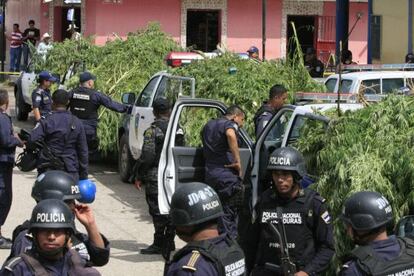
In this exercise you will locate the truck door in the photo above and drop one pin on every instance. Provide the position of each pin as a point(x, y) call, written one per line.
point(182, 159)
point(142, 117)
point(270, 139)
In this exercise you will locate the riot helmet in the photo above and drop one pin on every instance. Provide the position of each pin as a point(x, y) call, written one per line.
point(366, 211)
point(194, 203)
point(287, 159)
point(57, 185)
point(52, 214)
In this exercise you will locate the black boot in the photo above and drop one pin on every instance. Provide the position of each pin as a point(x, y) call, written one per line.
point(155, 248)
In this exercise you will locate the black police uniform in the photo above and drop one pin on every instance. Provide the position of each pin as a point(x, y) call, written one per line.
point(91, 254)
point(262, 117)
point(8, 145)
point(308, 228)
point(225, 181)
point(393, 256)
point(84, 104)
point(64, 138)
point(147, 171)
point(30, 264)
point(42, 99)
point(218, 256)
point(315, 68)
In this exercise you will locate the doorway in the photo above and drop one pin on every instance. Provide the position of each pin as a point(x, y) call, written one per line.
point(203, 31)
point(65, 23)
point(305, 29)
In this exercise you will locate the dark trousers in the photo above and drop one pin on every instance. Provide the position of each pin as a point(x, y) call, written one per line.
point(6, 193)
point(228, 223)
point(93, 142)
point(162, 223)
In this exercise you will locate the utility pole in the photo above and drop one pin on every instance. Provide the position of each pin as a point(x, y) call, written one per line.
point(264, 29)
point(3, 36)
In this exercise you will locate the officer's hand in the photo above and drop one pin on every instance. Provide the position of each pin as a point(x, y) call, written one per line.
point(235, 166)
point(301, 273)
point(138, 185)
point(84, 214)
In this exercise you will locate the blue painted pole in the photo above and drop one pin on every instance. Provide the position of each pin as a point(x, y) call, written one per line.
point(342, 25)
point(370, 12)
point(410, 26)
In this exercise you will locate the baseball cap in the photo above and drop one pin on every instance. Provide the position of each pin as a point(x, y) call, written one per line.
point(85, 76)
point(253, 49)
point(46, 75)
point(161, 105)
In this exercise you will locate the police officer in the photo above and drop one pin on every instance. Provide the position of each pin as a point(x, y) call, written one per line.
point(84, 104)
point(94, 247)
point(305, 217)
point(8, 143)
point(366, 215)
point(64, 146)
point(223, 169)
point(41, 96)
point(253, 53)
point(314, 66)
point(277, 98)
point(195, 210)
point(146, 170)
point(52, 226)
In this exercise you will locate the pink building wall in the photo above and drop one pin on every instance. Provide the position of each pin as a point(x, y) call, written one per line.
point(104, 19)
point(358, 40)
point(245, 26)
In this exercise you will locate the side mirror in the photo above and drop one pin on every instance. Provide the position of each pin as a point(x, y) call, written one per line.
point(128, 98)
point(405, 227)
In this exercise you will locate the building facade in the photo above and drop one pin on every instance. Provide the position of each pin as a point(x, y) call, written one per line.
point(236, 24)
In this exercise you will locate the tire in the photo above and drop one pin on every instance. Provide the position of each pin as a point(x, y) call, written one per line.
point(22, 109)
point(125, 160)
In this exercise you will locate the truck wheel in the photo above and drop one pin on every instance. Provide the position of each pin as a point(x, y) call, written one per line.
point(125, 160)
point(22, 109)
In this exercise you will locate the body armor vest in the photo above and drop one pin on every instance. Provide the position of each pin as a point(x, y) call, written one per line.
point(299, 221)
point(371, 265)
point(228, 260)
point(81, 104)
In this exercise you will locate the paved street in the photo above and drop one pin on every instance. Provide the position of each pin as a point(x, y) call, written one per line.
point(120, 210)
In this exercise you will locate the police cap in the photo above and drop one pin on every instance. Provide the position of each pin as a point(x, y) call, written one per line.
point(52, 214)
point(287, 159)
point(161, 105)
point(253, 49)
point(366, 211)
point(55, 184)
point(194, 203)
point(46, 75)
point(86, 76)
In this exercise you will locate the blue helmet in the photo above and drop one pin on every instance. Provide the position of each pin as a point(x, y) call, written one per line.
point(253, 49)
point(87, 190)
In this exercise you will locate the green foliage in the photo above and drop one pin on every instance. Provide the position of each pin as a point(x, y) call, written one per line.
point(249, 85)
point(369, 149)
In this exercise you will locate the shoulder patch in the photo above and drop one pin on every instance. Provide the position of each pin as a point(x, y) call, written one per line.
point(12, 263)
point(326, 217)
point(192, 261)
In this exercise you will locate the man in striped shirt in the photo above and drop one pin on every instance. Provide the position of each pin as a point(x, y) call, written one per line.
point(15, 48)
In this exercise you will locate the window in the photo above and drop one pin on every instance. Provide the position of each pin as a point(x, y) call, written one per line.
point(171, 88)
point(330, 85)
point(192, 121)
point(389, 85)
point(278, 129)
point(371, 86)
point(144, 98)
point(303, 126)
point(376, 36)
point(346, 86)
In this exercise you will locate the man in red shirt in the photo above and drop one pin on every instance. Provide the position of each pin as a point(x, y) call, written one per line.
point(15, 48)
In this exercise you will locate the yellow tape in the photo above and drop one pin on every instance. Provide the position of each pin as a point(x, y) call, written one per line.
point(9, 73)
